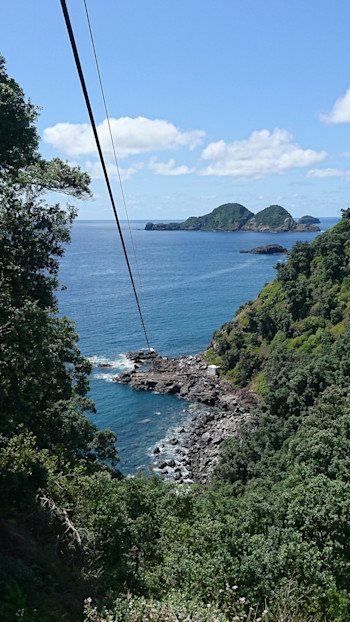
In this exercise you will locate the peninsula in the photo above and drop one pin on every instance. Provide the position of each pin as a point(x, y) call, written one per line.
point(236, 217)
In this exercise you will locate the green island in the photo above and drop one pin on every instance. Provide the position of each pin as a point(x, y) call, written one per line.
point(236, 217)
point(268, 539)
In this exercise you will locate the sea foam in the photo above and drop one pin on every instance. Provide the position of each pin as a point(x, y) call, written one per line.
point(122, 363)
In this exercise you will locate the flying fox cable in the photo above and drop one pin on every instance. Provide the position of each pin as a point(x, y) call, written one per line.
point(117, 164)
point(98, 145)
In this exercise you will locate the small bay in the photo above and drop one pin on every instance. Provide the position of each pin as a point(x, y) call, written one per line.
point(189, 283)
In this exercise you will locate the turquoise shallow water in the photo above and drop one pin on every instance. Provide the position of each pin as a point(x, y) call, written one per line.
point(192, 282)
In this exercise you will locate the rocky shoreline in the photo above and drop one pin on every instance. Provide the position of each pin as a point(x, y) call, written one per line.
point(197, 445)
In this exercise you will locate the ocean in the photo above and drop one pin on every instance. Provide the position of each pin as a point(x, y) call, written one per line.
point(189, 283)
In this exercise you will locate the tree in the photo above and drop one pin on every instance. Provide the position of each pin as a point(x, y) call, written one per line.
point(18, 136)
point(43, 377)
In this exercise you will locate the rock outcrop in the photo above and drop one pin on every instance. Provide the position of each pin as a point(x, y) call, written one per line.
point(307, 220)
point(197, 445)
point(270, 249)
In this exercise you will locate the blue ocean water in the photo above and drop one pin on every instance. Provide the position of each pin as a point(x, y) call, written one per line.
point(189, 284)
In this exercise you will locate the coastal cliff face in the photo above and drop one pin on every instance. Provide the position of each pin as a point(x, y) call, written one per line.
point(236, 217)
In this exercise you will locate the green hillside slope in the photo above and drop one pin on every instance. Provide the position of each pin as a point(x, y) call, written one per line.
point(306, 303)
point(227, 217)
point(272, 218)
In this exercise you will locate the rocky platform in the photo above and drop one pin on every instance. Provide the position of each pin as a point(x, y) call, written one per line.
point(197, 446)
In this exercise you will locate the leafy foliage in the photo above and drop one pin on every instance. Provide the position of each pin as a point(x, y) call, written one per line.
point(273, 216)
point(227, 217)
point(44, 430)
point(18, 136)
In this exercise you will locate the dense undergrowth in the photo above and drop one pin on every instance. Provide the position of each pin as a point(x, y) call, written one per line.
point(268, 540)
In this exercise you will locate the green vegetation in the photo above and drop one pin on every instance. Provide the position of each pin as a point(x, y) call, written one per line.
point(236, 217)
point(273, 218)
point(228, 217)
point(268, 540)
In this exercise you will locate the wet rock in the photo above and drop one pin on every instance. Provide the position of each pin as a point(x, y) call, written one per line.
point(188, 377)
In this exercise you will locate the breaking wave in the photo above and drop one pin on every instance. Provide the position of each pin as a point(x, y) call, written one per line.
point(105, 377)
point(109, 367)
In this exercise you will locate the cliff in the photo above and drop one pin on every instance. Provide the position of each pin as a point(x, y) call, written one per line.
point(236, 217)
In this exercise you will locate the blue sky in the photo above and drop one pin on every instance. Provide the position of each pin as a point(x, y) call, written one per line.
point(210, 102)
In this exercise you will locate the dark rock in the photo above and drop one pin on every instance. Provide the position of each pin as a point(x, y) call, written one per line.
point(307, 220)
point(206, 432)
point(270, 249)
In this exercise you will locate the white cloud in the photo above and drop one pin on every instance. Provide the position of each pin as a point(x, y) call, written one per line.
point(169, 168)
point(340, 112)
point(94, 169)
point(131, 137)
point(262, 153)
point(329, 172)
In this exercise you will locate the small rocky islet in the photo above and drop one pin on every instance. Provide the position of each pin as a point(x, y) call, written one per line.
point(197, 445)
point(270, 249)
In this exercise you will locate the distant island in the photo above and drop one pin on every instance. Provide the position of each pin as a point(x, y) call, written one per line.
point(236, 217)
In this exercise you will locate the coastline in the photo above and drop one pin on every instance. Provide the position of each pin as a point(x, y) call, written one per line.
point(197, 446)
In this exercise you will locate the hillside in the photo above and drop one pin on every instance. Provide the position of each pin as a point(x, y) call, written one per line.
point(236, 217)
point(227, 217)
point(274, 525)
point(307, 300)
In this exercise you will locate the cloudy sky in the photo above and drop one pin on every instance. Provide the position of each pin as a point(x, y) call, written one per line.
point(210, 101)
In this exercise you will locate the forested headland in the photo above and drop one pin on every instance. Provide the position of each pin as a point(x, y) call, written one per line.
point(268, 539)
